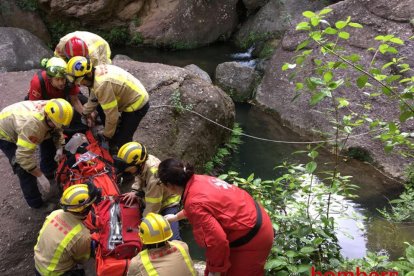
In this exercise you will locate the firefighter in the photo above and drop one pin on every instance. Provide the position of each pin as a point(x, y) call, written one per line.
point(86, 44)
point(235, 230)
point(147, 184)
point(116, 91)
point(51, 84)
point(160, 256)
point(25, 125)
point(64, 242)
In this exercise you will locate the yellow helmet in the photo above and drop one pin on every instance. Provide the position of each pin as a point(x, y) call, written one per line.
point(59, 111)
point(133, 153)
point(154, 228)
point(77, 68)
point(76, 198)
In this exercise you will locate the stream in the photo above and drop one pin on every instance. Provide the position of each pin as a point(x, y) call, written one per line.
point(363, 229)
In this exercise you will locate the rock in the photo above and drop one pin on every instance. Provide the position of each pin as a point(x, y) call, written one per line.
point(277, 90)
point(237, 80)
point(167, 130)
point(199, 72)
point(183, 24)
point(121, 57)
point(20, 50)
point(272, 20)
point(13, 16)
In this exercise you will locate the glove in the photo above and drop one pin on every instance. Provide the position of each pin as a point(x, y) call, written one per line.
point(171, 217)
point(59, 154)
point(44, 184)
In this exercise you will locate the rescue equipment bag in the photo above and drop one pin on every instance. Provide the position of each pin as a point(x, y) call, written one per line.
point(116, 234)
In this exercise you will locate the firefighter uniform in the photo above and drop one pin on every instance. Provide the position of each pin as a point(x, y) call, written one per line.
point(172, 259)
point(157, 199)
point(22, 129)
point(63, 243)
point(116, 91)
point(221, 214)
point(99, 50)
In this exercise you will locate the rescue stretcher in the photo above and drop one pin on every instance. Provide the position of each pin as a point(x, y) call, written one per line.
point(113, 226)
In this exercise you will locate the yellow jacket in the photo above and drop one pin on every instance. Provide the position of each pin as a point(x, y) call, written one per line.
point(156, 196)
point(172, 259)
point(24, 124)
point(63, 242)
point(99, 50)
point(116, 91)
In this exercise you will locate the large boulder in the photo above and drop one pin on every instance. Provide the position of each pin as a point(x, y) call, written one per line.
point(272, 20)
point(167, 129)
point(188, 24)
point(237, 80)
point(173, 24)
point(277, 90)
point(11, 15)
point(20, 50)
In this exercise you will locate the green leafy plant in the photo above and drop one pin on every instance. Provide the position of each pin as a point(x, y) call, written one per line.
point(115, 36)
point(178, 105)
point(225, 151)
point(28, 5)
point(137, 39)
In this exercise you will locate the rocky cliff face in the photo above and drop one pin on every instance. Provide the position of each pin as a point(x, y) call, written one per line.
point(277, 90)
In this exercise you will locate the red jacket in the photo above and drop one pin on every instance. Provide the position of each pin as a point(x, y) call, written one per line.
point(219, 213)
point(35, 90)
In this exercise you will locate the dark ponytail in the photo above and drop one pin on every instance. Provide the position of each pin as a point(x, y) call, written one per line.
point(173, 171)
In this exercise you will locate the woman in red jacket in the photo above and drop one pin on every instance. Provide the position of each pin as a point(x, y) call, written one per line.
point(236, 232)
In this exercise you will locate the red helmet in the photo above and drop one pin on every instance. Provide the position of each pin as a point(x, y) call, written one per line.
point(76, 47)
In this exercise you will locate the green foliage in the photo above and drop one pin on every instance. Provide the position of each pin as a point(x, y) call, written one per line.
point(224, 152)
point(375, 75)
point(137, 39)
point(300, 207)
point(116, 36)
point(402, 209)
point(254, 37)
point(378, 78)
point(58, 29)
point(28, 5)
point(179, 107)
point(359, 154)
point(183, 45)
point(405, 264)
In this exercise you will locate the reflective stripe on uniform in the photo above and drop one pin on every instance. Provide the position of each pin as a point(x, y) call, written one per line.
point(112, 104)
point(153, 199)
point(147, 263)
point(171, 200)
point(4, 135)
point(185, 256)
point(135, 105)
point(25, 144)
point(95, 45)
point(59, 250)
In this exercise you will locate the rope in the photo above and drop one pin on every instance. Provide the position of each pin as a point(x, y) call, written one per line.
point(265, 139)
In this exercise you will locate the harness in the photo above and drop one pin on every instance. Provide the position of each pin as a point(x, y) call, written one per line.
point(45, 96)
